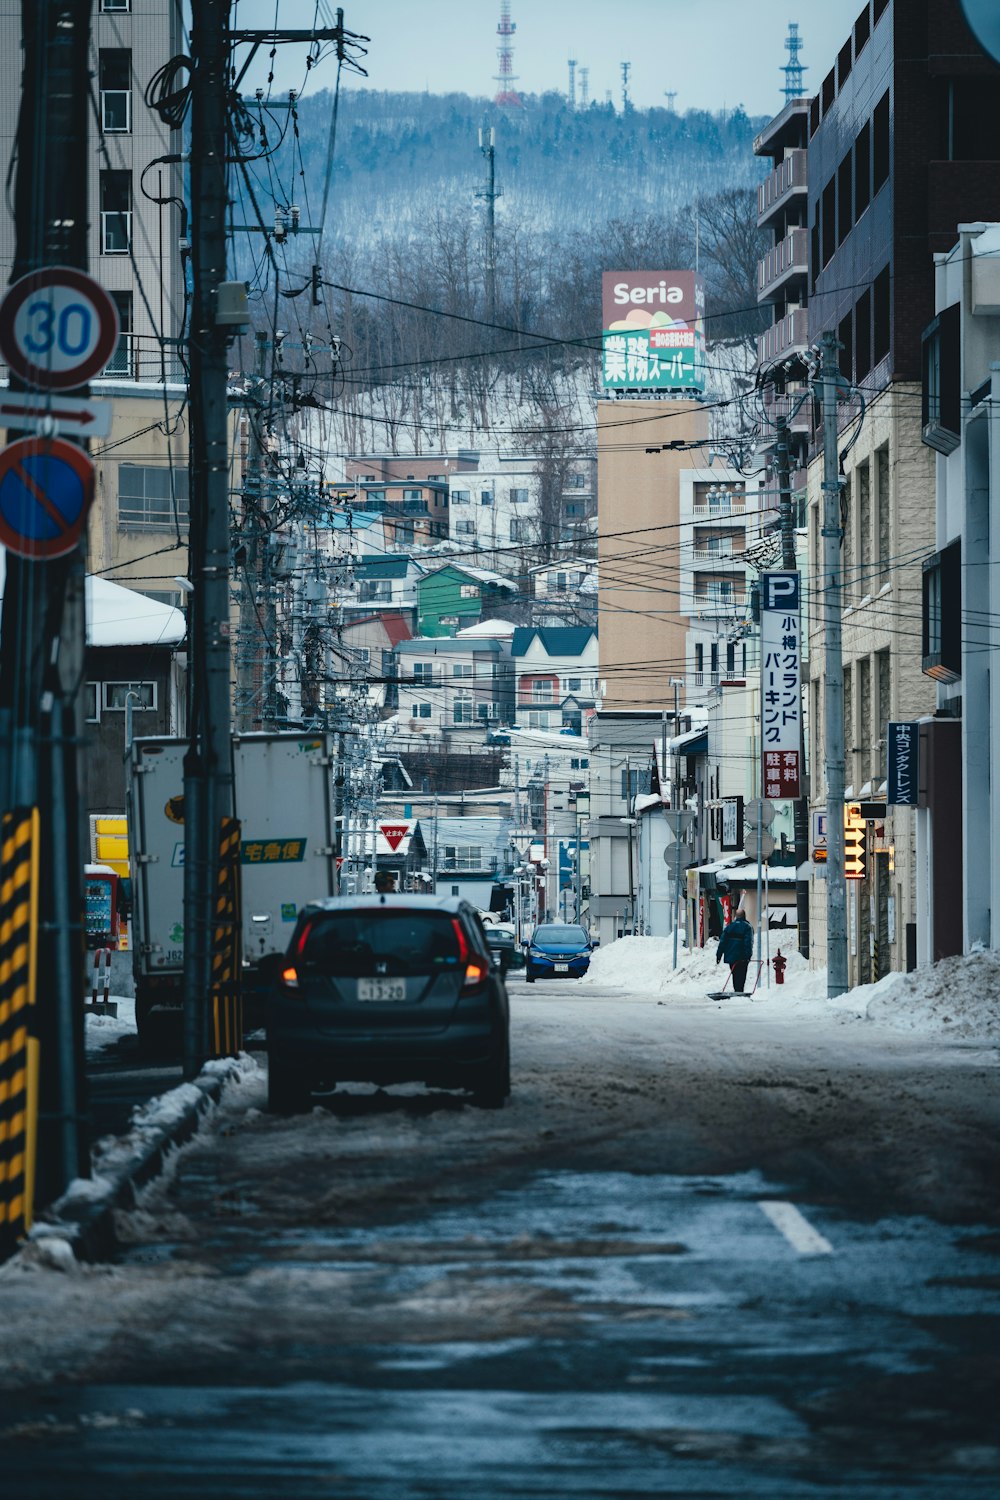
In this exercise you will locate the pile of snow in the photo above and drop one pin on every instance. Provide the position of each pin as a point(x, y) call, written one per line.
point(107, 1031)
point(958, 997)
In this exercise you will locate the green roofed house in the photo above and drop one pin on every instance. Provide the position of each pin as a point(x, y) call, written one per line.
point(451, 598)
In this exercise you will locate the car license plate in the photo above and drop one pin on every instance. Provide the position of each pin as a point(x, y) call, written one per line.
point(381, 989)
point(561, 968)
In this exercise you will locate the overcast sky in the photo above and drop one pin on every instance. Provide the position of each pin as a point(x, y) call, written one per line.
point(715, 53)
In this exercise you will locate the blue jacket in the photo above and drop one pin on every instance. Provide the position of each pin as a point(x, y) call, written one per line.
point(736, 942)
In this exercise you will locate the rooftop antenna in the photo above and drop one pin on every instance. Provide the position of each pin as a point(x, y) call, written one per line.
point(490, 193)
point(793, 70)
point(572, 83)
point(584, 87)
point(506, 93)
point(626, 68)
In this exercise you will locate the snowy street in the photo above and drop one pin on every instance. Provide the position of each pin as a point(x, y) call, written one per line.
point(735, 1248)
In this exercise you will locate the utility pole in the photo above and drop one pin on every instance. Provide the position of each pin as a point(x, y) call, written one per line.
point(800, 812)
point(676, 683)
point(41, 669)
point(208, 776)
point(250, 677)
point(628, 830)
point(490, 193)
point(829, 592)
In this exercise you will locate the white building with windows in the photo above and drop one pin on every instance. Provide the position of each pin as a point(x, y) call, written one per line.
point(495, 508)
point(720, 516)
point(556, 675)
point(456, 688)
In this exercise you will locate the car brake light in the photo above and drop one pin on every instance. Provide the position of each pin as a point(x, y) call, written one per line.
point(463, 947)
point(474, 975)
point(300, 946)
point(290, 978)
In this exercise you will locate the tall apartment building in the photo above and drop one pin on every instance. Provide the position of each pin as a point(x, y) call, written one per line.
point(900, 149)
point(141, 492)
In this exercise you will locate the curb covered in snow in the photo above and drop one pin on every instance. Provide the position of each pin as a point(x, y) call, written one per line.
point(84, 1217)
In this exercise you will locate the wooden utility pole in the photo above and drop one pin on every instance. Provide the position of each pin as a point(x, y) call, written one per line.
point(829, 596)
point(800, 835)
point(43, 625)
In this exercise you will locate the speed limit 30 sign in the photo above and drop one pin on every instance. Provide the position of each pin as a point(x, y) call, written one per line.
point(58, 328)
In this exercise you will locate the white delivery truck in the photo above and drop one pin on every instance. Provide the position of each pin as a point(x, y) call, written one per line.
point(283, 790)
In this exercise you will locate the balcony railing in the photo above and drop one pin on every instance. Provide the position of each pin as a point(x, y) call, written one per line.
point(141, 357)
point(711, 510)
point(706, 679)
point(788, 334)
point(704, 557)
point(789, 178)
point(788, 259)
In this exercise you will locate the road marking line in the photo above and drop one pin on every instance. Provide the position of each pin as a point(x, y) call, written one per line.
point(795, 1227)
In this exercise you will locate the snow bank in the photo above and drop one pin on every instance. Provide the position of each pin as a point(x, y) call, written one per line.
point(107, 1031)
point(958, 997)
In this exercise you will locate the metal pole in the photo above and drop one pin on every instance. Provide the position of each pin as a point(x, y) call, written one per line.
point(800, 834)
point(833, 698)
point(208, 779)
point(677, 683)
point(628, 830)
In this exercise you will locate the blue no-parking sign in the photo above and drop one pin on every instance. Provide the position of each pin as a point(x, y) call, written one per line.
point(46, 486)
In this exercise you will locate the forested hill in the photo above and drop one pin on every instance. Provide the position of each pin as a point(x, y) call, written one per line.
point(397, 153)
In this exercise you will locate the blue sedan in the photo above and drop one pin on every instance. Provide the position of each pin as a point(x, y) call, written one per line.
point(557, 950)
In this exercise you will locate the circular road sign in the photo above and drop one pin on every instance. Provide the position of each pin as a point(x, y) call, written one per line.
point(58, 327)
point(46, 487)
point(983, 21)
point(758, 844)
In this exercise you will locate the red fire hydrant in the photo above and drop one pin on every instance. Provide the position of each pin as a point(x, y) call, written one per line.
point(779, 967)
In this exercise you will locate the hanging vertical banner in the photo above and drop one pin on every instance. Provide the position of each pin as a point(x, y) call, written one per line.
point(780, 684)
point(904, 764)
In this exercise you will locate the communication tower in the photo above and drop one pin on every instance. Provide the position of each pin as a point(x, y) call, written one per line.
point(793, 70)
point(626, 68)
point(572, 83)
point(506, 93)
point(584, 87)
point(670, 95)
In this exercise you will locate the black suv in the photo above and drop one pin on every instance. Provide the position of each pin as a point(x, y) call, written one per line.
point(388, 989)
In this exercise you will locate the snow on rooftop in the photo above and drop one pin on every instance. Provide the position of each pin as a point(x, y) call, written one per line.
point(117, 616)
point(501, 628)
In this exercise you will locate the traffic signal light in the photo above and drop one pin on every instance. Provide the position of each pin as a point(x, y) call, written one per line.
point(855, 842)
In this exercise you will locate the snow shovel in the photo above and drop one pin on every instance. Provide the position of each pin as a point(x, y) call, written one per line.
point(720, 994)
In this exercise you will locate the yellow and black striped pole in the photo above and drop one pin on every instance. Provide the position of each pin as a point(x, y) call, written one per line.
point(227, 990)
point(18, 1045)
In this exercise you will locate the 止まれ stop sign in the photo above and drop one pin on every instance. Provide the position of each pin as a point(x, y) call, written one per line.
point(46, 487)
point(58, 327)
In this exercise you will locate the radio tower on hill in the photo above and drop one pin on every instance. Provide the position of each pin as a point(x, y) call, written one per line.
point(506, 93)
point(793, 70)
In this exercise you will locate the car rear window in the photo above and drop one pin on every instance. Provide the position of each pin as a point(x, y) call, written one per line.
point(344, 944)
point(555, 932)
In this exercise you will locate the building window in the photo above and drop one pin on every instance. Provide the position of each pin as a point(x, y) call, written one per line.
point(862, 170)
point(518, 497)
point(538, 718)
point(883, 687)
point(413, 494)
point(942, 614)
point(92, 702)
point(864, 493)
point(460, 497)
point(942, 393)
point(463, 669)
point(468, 591)
point(883, 504)
point(576, 482)
point(115, 694)
point(463, 857)
point(115, 73)
point(153, 498)
point(845, 199)
point(863, 336)
point(541, 690)
point(630, 785)
point(880, 144)
point(421, 711)
point(880, 318)
point(465, 528)
point(488, 710)
point(730, 658)
point(116, 5)
point(828, 220)
point(463, 711)
point(121, 362)
point(423, 670)
point(845, 336)
point(486, 497)
point(573, 684)
point(520, 529)
point(116, 213)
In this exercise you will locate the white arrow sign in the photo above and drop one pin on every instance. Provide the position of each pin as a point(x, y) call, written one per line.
point(52, 416)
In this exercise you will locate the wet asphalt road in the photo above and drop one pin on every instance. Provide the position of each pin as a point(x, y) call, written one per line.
point(664, 1289)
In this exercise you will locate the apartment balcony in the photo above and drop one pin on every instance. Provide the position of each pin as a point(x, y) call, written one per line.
point(706, 679)
point(787, 184)
point(788, 336)
point(720, 508)
point(789, 404)
point(786, 263)
point(141, 357)
point(703, 557)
